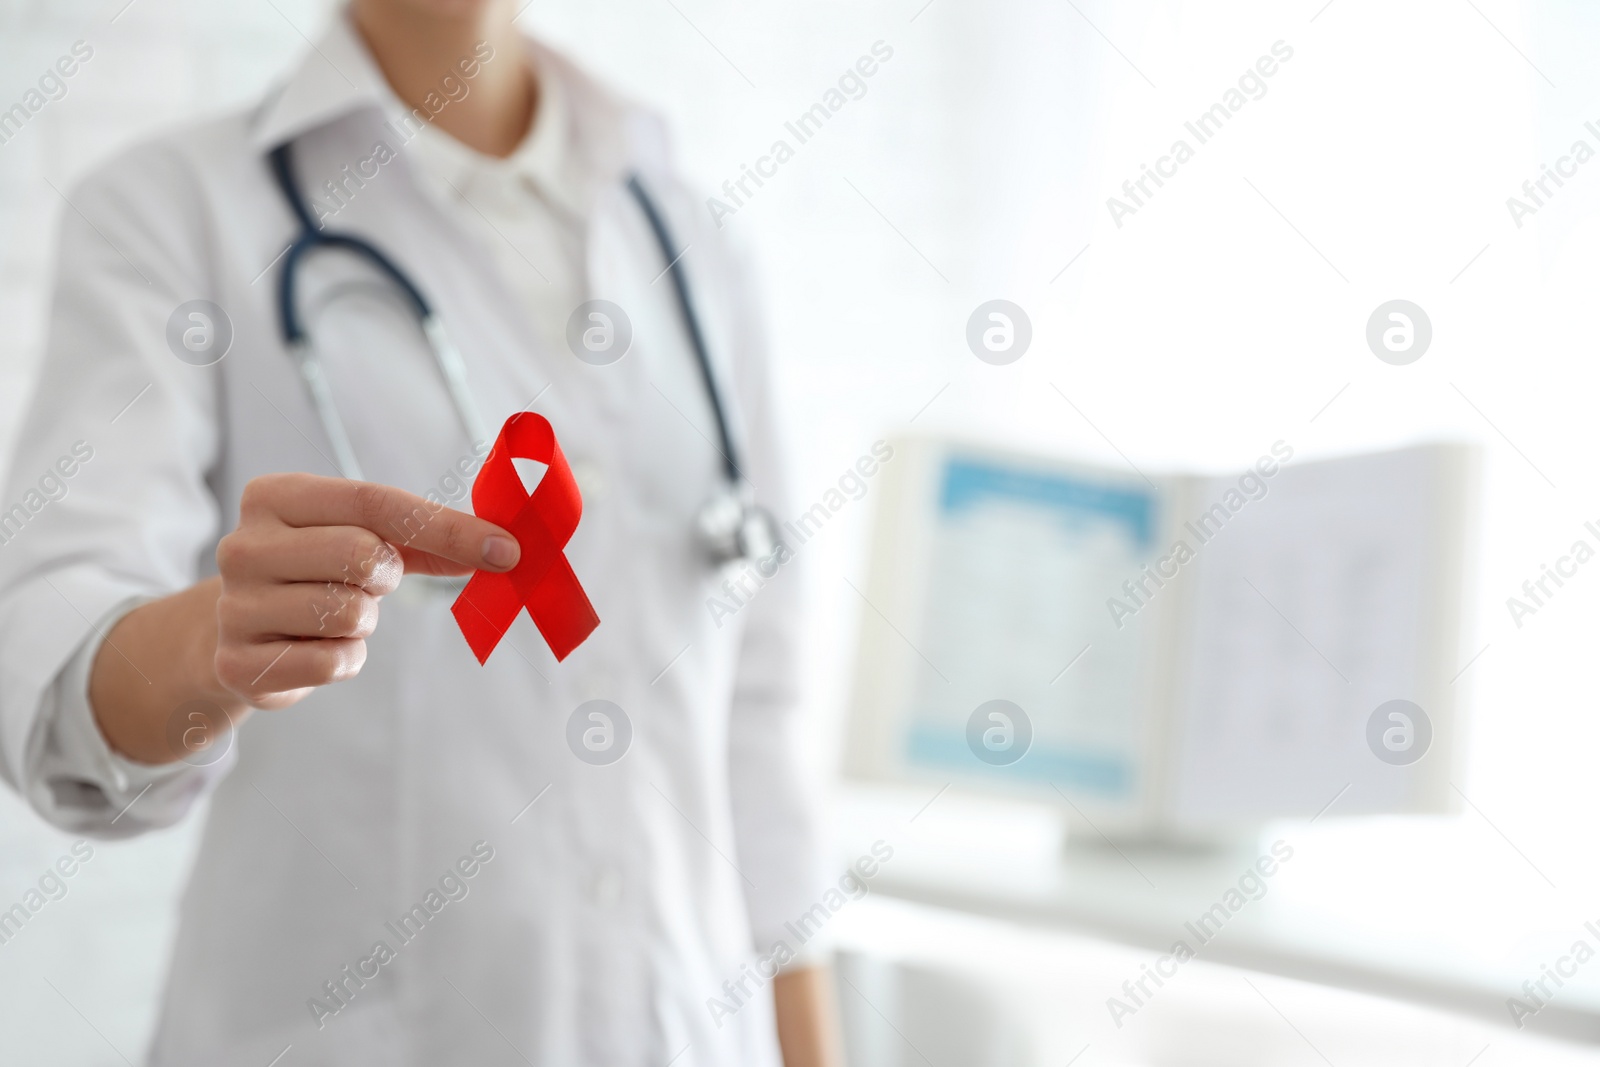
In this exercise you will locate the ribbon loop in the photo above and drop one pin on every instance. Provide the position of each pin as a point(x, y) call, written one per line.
point(542, 522)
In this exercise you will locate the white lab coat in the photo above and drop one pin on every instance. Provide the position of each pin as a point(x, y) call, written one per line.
point(616, 905)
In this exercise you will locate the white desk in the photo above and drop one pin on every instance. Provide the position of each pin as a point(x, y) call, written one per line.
point(1439, 912)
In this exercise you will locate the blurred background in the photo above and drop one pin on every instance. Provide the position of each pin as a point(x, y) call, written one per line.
point(1228, 312)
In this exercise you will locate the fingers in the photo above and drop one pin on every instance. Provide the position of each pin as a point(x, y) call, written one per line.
point(403, 519)
point(298, 609)
point(426, 563)
point(277, 673)
point(269, 552)
point(302, 574)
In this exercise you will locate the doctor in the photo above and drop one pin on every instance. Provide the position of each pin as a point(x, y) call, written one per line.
point(411, 858)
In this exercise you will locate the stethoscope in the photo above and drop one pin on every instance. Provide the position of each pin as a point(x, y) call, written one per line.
point(731, 526)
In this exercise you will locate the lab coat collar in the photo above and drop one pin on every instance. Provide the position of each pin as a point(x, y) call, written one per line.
point(338, 77)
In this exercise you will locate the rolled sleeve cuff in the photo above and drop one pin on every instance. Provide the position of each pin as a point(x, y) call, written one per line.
point(80, 784)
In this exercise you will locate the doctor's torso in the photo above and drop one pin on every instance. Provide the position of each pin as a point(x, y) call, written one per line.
point(604, 904)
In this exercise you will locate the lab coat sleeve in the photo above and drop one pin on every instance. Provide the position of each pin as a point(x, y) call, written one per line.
point(106, 501)
point(774, 804)
point(83, 781)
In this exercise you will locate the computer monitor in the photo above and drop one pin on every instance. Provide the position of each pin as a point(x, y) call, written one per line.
point(1172, 655)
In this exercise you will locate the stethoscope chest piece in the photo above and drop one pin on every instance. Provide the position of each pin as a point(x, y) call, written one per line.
point(732, 529)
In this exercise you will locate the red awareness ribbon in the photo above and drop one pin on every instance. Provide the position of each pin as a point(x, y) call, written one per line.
point(542, 522)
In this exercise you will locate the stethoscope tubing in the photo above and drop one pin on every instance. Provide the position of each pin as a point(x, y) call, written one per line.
point(691, 322)
point(312, 238)
point(742, 528)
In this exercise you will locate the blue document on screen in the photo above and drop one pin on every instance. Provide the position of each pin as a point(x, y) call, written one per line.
point(1079, 535)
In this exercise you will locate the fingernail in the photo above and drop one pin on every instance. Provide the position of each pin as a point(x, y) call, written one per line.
point(499, 552)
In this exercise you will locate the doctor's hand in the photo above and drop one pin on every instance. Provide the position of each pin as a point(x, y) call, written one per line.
point(294, 601)
point(304, 571)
